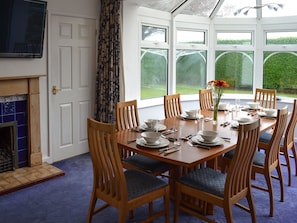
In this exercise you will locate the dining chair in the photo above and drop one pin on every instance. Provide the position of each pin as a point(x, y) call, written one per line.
point(287, 144)
point(223, 189)
point(123, 190)
point(205, 99)
point(127, 118)
point(266, 97)
point(172, 105)
point(266, 160)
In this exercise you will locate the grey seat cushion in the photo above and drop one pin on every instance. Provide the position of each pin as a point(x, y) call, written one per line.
point(206, 179)
point(265, 138)
point(139, 183)
point(259, 157)
point(147, 163)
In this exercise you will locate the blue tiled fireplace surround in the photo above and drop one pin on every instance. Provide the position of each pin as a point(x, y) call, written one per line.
point(14, 108)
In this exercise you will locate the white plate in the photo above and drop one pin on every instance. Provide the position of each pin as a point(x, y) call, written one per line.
point(142, 142)
point(199, 140)
point(263, 114)
point(185, 116)
point(244, 119)
point(161, 127)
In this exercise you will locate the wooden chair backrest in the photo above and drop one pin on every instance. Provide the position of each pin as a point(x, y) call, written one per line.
point(109, 179)
point(266, 97)
point(172, 105)
point(273, 148)
point(239, 172)
point(290, 130)
point(205, 99)
point(127, 115)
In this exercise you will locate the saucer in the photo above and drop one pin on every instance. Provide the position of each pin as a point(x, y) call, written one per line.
point(199, 140)
point(162, 143)
point(161, 127)
point(185, 116)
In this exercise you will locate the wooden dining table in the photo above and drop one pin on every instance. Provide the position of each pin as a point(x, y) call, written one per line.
point(189, 156)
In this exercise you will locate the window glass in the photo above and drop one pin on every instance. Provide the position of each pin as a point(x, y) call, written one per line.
point(154, 34)
point(190, 37)
point(154, 63)
point(190, 71)
point(280, 72)
point(237, 69)
point(232, 38)
point(275, 38)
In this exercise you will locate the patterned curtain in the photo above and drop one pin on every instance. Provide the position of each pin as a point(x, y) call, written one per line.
point(108, 70)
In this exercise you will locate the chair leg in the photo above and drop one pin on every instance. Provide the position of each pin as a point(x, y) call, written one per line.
point(228, 213)
point(91, 207)
point(281, 182)
point(250, 200)
point(270, 191)
point(122, 217)
point(288, 164)
point(295, 157)
point(150, 209)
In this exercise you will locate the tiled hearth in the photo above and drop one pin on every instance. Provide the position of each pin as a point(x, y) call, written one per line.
point(11, 181)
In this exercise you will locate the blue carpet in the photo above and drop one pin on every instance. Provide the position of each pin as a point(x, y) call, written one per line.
point(66, 199)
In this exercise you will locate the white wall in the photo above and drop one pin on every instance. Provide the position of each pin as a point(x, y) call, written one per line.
point(23, 67)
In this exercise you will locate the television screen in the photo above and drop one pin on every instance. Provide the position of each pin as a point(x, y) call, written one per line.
point(22, 24)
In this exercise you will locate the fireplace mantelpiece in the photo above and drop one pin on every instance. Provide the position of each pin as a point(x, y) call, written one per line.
point(27, 85)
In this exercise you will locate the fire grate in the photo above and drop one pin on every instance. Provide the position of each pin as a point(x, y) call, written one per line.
point(6, 160)
point(8, 146)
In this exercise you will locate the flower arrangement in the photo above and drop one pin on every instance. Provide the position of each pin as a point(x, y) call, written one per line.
point(217, 87)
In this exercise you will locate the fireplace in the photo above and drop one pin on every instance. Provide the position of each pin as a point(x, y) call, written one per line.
point(8, 146)
point(23, 94)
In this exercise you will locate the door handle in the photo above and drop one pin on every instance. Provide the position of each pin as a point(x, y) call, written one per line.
point(55, 89)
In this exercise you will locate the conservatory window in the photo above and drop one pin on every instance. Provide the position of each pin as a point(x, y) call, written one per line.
point(281, 38)
point(190, 37)
point(236, 67)
point(234, 38)
point(154, 34)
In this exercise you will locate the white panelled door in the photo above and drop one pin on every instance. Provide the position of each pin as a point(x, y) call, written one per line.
point(71, 84)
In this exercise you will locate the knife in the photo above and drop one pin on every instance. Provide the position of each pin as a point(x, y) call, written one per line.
point(167, 152)
point(198, 145)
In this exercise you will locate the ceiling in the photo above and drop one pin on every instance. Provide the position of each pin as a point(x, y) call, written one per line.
point(222, 8)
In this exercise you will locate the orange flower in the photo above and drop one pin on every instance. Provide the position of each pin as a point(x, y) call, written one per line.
point(218, 83)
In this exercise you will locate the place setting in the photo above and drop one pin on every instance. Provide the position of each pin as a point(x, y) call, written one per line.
point(152, 140)
point(268, 113)
point(206, 139)
point(191, 114)
point(152, 125)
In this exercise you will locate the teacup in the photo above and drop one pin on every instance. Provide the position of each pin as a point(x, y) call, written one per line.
point(208, 135)
point(222, 106)
point(191, 113)
point(253, 105)
point(269, 111)
point(151, 138)
point(151, 123)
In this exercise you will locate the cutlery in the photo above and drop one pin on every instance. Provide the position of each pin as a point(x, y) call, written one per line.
point(131, 140)
point(171, 139)
point(227, 139)
point(167, 152)
point(188, 137)
point(198, 145)
point(166, 149)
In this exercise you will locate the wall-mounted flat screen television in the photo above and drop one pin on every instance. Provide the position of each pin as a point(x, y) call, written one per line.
point(22, 24)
